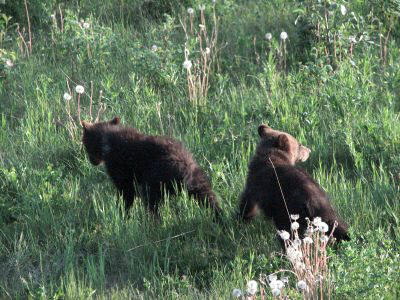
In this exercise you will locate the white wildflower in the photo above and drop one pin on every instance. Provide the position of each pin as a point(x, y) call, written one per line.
point(251, 287)
point(154, 48)
point(343, 9)
point(79, 89)
point(284, 35)
point(284, 235)
point(295, 226)
point(268, 36)
point(307, 240)
point(187, 64)
point(302, 285)
point(190, 10)
point(295, 217)
point(323, 227)
point(236, 293)
point(86, 25)
point(67, 96)
point(207, 51)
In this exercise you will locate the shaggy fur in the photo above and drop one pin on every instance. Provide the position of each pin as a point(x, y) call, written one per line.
point(155, 163)
point(279, 152)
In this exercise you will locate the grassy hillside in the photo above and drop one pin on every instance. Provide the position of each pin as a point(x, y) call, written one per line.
point(334, 83)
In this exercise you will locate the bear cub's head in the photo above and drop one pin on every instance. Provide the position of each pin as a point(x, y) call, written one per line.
point(93, 139)
point(282, 144)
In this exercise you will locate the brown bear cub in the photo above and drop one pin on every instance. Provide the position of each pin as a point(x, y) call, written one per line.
point(154, 163)
point(276, 156)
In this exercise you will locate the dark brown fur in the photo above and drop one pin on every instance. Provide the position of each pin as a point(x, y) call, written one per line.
point(155, 163)
point(276, 156)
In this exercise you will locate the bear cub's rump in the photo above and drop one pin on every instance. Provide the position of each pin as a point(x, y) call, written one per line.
point(279, 152)
point(155, 163)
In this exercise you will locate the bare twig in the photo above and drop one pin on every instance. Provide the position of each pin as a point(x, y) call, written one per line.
point(159, 241)
point(29, 28)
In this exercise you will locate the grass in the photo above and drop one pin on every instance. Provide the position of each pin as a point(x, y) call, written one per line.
point(61, 233)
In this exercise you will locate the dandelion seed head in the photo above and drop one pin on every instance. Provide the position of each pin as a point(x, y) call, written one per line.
point(307, 240)
point(324, 239)
point(202, 7)
point(67, 97)
point(284, 35)
point(79, 89)
point(323, 227)
point(276, 284)
point(190, 11)
point(301, 285)
point(272, 277)
point(251, 287)
point(343, 9)
point(9, 63)
point(86, 25)
point(276, 292)
point(316, 221)
point(187, 64)
point(207, 51)
point(309, 231)
point(295, 226)
point(284, 235)
point(268, 36)
point(237, 293)
point(154, 48)
point(296, 243)
point(293, 254)
point(295, 217)
point(352, 39)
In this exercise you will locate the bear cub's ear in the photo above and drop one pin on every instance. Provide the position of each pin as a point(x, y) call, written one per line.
point(115, 121)
point(304, 153)
point(283, 142)
point(262, 130)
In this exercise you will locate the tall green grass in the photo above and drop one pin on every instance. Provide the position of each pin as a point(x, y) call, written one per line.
point(61, 231)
